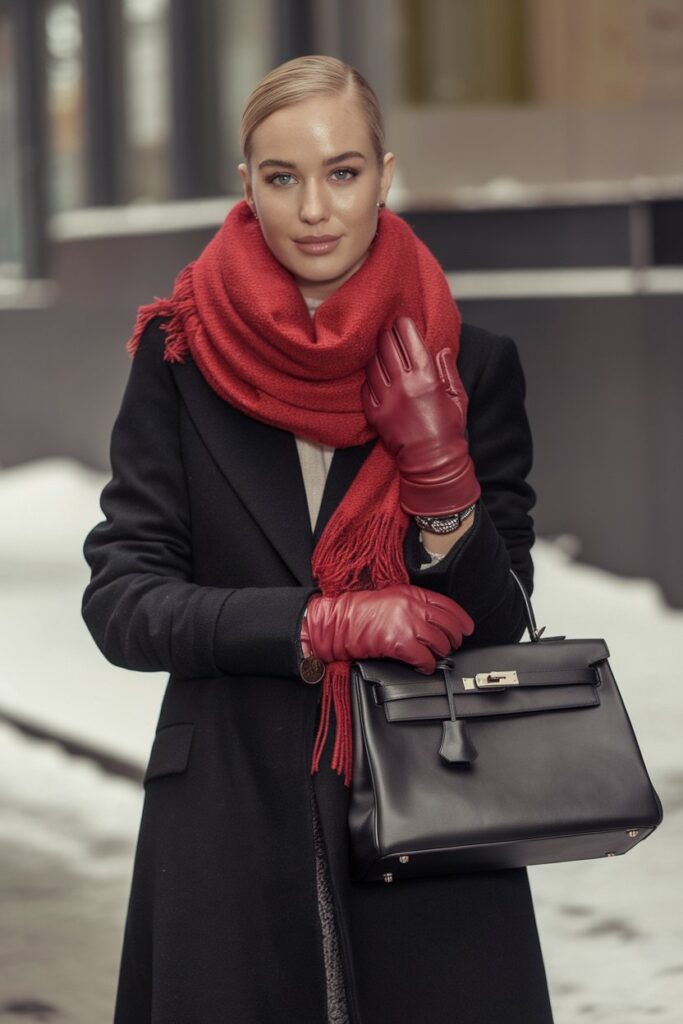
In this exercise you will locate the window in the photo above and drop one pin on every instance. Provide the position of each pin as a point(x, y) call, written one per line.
point(246, 54)
point(64, 71)
point(147, 99)
point(10, 225)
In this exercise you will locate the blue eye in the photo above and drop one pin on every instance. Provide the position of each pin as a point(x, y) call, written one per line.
point(283, 178)
point(345, 170)
point(273, 178)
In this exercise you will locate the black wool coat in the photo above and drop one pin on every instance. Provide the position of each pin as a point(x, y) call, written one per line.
point(202, 569)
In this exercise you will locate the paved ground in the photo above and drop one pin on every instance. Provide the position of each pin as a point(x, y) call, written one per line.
point(68, 834)
point(611, 929)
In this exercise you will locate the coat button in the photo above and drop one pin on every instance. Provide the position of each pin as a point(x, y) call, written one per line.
point(312, 669)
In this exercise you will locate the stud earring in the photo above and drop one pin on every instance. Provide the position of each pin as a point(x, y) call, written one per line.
point(381, 204)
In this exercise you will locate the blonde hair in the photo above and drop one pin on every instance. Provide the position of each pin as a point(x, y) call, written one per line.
point(302, 78)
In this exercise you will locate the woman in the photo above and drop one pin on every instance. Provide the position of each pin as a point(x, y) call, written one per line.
point(295, 439)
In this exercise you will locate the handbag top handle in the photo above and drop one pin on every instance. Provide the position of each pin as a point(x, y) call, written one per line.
point(534, 632)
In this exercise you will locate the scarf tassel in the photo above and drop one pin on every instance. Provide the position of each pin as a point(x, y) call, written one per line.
point(179, 313)
point(349, 558)
point(336, 693)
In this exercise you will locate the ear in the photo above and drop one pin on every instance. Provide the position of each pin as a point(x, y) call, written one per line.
point(387, 174)
point(246, 185)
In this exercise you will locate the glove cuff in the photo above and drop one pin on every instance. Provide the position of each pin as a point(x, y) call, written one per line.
point(304, 638)
point(440, 498)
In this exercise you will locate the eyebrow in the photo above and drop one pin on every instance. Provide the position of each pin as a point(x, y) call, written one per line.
point(326, 163)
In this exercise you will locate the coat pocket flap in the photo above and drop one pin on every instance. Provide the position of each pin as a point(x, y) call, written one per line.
point(170, 750)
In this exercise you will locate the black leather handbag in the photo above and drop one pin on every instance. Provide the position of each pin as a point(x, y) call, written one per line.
point(506, 756)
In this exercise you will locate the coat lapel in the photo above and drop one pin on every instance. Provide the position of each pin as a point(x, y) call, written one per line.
point(261, 464)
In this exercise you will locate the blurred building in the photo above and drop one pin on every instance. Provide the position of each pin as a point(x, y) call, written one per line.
point(140, 100)
point(540, 154)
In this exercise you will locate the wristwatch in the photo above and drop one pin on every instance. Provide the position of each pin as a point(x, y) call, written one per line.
point(444, 524)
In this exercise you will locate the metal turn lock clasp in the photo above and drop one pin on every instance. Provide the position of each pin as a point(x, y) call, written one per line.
point(491, 680)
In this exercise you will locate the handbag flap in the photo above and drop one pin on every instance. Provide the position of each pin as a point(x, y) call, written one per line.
point(506, 679)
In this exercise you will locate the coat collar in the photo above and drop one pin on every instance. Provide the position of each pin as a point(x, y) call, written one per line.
point(262, 465)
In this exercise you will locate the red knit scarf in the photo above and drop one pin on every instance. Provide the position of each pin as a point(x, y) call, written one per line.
point(243, 319)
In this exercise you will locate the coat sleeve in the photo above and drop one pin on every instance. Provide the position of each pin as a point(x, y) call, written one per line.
point(475, 572)
point(141, 606)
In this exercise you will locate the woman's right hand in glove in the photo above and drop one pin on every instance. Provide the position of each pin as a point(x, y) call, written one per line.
point(401, 621)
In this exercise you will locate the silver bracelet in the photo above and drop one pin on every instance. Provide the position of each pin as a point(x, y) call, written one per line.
point(444, 524)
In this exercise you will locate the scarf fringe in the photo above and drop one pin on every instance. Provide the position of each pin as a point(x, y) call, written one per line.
point(337, 694)
point(180, 315)
point(349, 560)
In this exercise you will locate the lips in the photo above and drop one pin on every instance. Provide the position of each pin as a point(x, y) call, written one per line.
point(317, 245)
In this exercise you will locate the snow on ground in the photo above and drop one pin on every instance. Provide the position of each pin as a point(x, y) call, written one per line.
point(52, 671)
point(68, 837)
point(611, 929)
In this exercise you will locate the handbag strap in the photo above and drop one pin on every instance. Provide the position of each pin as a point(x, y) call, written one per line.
point(534, 632)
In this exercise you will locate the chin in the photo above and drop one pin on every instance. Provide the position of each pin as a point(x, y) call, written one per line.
point(322, 274)
point(317, 274)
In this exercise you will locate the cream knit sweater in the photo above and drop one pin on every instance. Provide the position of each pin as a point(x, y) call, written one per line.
point(315, 458)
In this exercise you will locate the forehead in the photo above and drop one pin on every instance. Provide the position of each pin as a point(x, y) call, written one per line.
point(318, 127)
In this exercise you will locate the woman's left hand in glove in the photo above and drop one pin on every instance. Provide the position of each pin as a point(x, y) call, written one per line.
point(418, 406)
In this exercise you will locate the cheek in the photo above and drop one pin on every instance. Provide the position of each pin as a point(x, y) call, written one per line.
point(357, 203)
point(359, 220)
point(273, 224)
point(361, 223)
point(358, 212)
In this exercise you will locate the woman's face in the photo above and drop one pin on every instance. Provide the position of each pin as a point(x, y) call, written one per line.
point(313, 173)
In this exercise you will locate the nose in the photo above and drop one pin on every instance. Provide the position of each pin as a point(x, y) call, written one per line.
point(313, 208)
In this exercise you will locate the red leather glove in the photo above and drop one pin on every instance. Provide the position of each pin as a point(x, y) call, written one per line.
point(402, 621)
point(418, 406)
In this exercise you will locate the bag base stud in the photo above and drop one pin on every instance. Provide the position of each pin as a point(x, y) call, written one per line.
point(404, 858)
point(633, 832)
point(388, 876)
